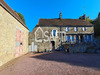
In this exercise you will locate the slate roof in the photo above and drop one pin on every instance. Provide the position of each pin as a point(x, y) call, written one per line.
point(12, 12)
point(64, 22)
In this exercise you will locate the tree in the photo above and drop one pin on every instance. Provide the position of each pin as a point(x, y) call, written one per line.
point(96, 23)
point(85, 18)
point(21, 16)
point(89, 20)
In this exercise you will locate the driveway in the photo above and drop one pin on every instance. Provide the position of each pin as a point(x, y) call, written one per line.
point(55, 63)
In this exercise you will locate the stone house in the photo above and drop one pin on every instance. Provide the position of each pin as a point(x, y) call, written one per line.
point(13, 34)
point(59, 31)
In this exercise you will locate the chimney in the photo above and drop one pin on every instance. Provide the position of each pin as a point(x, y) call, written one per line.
point(60, 15)
point(84, 17)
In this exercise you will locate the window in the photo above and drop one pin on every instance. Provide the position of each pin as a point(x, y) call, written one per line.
point(54, 32)
point(75, 29)
point(67, 29)
point(72, 38)
point(67, 38)
point(87, 37)
point(91, 37)
point(83, 29)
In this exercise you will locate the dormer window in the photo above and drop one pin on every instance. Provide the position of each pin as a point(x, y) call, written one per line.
point(83, 29)
point(75, 29)
point(67, 29)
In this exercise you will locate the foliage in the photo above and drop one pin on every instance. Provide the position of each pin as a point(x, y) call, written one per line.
point(97, 37)
point(96, 23)
point(90, 47)
point(21, 16)
point(84, 17)
point(89, 20)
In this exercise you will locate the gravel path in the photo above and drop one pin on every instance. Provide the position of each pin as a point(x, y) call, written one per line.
point(55, 63)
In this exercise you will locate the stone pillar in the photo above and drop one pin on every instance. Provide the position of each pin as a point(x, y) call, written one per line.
point(65, 37)
point(79, 39)
point(61, 37)
point(84, 38)
point(75, 38)
point(70, 38)
point(88, 38)
point(91, 38)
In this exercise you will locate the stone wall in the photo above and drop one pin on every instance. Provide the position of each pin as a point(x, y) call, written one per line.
point(43, 46)
point(89, 30)
point(8, 25)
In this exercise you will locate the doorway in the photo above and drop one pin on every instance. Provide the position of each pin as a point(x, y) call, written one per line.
point(81, 38)
point(19, 43)
point(77, 39)
point(52, 45)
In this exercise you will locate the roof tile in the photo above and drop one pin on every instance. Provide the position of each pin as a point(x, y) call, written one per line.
point(72, 22)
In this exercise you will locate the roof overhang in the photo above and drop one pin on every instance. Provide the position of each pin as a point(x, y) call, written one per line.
point(13, 15)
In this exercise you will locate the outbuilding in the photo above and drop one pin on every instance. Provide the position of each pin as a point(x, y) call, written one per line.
point(13, 34)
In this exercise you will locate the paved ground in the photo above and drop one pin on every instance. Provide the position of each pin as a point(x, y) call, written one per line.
point(55, 63)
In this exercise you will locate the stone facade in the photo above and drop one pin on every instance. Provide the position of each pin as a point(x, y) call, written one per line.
point(61, 37)
point(8, 25)
point(43, 45)
point(60, 31)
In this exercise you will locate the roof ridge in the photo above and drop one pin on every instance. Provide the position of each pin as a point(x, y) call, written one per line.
point(58, 19)
point(76, 22)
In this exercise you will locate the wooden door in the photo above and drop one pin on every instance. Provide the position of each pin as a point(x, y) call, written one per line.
point(19, 43)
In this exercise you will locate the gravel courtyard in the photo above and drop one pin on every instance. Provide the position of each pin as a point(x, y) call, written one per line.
point(55, 63)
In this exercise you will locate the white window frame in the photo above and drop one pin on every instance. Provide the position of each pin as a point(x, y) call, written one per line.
point(83, 28)
point(56, 33)
point(67, 29)
point(75, 29)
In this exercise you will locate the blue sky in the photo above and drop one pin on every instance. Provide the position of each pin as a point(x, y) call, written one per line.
point(35, 9)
